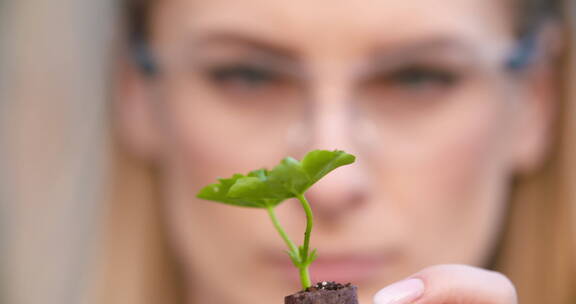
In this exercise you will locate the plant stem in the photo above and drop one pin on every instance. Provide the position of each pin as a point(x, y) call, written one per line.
point(281, 231)
point(304, 272)
point(309, 222)
point(303, 263)
point(305, 276)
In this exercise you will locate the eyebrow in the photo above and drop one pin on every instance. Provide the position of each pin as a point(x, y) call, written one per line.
point(436, 44)
point(245, 40)
point(393, 55)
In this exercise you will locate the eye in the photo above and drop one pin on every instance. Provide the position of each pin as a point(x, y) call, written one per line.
point(245, 76)
point(422, 77)
point(410, 85)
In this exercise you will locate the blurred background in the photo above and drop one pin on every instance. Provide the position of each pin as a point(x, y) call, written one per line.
point(52, 54)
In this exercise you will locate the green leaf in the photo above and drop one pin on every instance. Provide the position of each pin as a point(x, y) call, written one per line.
point(318, 163)
point(312, 257)
point(289, 178)
point(294, 257)
point(296, 177)
point(220, 192)
point(262, 188)
point(247, 187)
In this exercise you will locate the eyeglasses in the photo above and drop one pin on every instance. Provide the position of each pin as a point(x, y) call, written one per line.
point(523, 55)
point(391, 103)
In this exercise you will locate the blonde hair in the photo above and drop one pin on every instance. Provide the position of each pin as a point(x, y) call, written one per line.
point(537, 249)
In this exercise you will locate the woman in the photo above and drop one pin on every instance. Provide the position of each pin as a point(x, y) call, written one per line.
point(459, 117)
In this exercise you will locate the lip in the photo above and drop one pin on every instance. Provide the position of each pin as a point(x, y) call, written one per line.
point(340, 267)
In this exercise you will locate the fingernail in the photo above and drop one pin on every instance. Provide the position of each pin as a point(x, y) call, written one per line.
point(400, 293)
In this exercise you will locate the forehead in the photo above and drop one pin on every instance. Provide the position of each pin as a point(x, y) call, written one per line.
point(329, 25)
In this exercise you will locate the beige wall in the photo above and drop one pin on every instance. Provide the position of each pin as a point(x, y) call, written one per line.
point(53, 84)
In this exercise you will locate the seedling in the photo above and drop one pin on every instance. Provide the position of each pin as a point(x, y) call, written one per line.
point(266, 189)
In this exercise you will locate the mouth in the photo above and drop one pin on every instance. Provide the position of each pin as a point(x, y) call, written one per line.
point(339, 267)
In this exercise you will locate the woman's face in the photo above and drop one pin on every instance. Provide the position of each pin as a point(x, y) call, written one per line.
point(418, 90)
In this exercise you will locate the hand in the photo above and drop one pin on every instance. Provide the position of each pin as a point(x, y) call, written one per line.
point(450, 284)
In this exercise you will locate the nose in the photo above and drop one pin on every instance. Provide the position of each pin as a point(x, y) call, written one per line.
point(330, 127)
point(338, 195)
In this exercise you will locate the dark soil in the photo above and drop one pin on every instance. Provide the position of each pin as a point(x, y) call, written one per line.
point(325, 293)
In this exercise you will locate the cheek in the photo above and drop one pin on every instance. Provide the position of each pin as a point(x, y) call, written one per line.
point(450, 181)
point(212, 230)
point(219, 244)
point(206, 138)
point(215, 136)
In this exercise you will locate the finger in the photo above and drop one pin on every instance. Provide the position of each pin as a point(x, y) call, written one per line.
point(454, 284)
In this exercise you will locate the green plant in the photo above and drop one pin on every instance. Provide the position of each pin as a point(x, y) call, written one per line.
point(266, 189)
